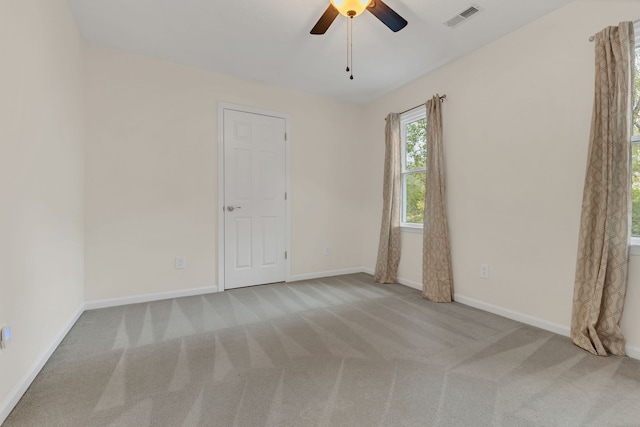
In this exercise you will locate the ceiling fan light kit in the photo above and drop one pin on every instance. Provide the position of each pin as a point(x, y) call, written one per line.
point(351, 9)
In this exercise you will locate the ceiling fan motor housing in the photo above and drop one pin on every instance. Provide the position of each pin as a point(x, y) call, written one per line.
point(350, 8)
point(353, 8)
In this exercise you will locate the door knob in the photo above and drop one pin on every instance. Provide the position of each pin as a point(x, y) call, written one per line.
point(232, 208)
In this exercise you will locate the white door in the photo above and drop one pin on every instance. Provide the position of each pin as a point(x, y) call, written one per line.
point(254, 199)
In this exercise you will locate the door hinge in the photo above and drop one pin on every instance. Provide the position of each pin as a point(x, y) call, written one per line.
point(285, 196)
point(285, 254)
point(285, 136)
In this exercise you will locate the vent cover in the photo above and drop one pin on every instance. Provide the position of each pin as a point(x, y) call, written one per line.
point(459, 18)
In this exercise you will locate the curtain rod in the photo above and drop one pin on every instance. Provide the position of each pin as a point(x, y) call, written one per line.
point(442, 98)
point(592, 38)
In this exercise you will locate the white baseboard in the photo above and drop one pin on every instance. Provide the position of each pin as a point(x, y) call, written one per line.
point(500, 311)
point(137, 299)
point(514, 315)
point(321, 274)
point(633, 352)
point(410, 283)
point(7, 405)
point(402, 281)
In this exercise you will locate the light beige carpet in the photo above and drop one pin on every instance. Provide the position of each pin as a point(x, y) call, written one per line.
point(341, 351)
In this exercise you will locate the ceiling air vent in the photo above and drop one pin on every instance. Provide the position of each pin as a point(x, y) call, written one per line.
point(459, 18)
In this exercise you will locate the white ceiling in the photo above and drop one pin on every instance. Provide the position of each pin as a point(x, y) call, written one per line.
point(269, 40)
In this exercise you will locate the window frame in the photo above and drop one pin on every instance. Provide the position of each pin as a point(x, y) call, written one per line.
point(410, 116)
point(634, 241)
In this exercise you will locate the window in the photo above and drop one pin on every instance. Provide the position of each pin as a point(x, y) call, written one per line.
point(635, 152)
point(414, 166)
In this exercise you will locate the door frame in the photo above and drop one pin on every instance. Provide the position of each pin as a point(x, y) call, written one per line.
point(222, 106)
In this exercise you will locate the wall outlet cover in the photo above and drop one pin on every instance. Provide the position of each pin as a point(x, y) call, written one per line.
point(181, 262)
point(5, 336)
point(484, 271)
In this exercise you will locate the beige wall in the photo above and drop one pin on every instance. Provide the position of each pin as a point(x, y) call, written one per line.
point(151, 183)
point(41, 181)
point(516, 125)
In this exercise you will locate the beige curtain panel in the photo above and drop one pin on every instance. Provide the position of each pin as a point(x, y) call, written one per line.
point(437, 277)
point(601, 268)
point(389, 247)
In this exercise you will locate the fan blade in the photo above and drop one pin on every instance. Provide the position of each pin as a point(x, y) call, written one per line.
point(325, 20)
point(387, 15)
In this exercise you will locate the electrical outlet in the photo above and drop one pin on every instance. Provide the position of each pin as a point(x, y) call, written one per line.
point(326, 251)
point(5, 336)
point(181, 262)
point(484, 271)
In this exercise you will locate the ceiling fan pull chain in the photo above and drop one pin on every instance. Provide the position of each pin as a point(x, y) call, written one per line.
point(348, 69)
point(351, 47)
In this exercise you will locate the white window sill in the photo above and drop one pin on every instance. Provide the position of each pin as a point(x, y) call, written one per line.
point(411, 228)
point(634, 247)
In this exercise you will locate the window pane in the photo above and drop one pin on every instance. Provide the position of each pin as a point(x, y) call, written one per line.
point(414, 202)
point(416, 145)
point(635, 152)
point(636, 95)
point(635, 190)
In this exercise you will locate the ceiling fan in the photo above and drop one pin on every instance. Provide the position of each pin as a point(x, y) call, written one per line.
point(351, 9)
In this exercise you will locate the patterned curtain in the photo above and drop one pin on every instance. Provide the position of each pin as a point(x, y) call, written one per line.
point(601, 268)
point(389, 247)
point(437, 277)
